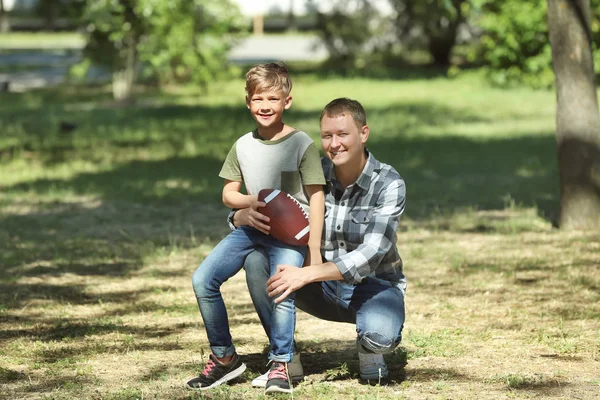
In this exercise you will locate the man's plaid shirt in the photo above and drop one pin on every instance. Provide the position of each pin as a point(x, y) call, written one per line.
point(360, 223)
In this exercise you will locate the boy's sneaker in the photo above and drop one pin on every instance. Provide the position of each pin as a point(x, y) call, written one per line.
point(216, 373)
point(294, 368)
point(279, 379)
point(372, 365)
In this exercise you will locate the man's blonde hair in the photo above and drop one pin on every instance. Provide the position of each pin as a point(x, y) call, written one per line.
point(343, 106)
point(268, 76)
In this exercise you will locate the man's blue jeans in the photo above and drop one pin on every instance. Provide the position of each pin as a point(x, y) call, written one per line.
point(375, 306)
point(225, 261)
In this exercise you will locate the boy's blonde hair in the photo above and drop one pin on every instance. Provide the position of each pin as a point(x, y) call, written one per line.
point(268, 76)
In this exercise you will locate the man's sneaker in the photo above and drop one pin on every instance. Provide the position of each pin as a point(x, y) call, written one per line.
point(216, 373)
point(372, 366)
point(279, 379)
point(294, 368)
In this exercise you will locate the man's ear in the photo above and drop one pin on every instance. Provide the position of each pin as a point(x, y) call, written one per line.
point(364, 134)
point(288, 103)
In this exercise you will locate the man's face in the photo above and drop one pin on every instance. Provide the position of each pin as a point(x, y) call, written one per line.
point(343, 142)
point(267, 107)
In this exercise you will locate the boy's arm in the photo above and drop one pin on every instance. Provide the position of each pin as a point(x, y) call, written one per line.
point(233, 198)
point(316, 216)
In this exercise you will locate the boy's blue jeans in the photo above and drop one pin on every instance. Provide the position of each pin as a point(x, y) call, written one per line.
point(375, 306)
point(225, 261)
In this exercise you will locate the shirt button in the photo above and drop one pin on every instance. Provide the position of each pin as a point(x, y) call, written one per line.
point(343, 203)
point(341, 244)
point(339, 227)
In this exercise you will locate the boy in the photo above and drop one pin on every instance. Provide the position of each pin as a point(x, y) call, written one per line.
point(277, 156)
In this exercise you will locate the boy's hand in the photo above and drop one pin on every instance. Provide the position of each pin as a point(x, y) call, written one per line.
point(252, 217)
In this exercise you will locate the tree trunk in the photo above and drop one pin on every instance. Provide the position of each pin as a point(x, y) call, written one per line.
point(577, 117)
point(124, 77)
point(440, 47)
point(292, 25)
point(4, 21)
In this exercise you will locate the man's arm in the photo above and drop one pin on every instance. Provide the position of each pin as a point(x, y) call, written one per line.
point(354, 266)
point(379, 236)
point(288, 278)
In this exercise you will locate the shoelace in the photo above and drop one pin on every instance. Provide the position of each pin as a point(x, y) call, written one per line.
point(278, 372)
point(208, 367)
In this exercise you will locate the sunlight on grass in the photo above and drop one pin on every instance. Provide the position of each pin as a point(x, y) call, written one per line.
point(104, 219)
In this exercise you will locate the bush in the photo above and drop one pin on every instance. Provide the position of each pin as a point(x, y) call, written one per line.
point(514, 45)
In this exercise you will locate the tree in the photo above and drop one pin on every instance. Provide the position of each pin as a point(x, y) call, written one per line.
point(176, 40)
point(513, 43)
point(350, 31)
point(4, 22)
point(437, 20)
point(114, 31)
point(577, 119)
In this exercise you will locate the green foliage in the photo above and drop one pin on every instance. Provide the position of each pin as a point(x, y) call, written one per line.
point(438, 20)
point(178, 40)
point(189, 40)
point(113, 26)
point(515, 44)
point(350, 31)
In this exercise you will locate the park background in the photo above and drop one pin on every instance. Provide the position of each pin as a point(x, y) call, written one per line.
point(115, 117)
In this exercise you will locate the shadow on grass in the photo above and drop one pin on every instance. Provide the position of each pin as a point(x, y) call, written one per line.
point(442, 173)
point(143, 203)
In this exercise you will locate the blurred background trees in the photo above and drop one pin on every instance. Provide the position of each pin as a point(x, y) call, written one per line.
point(187, 41)
point(175, 41)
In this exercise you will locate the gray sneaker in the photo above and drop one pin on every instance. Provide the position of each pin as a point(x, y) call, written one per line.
point(294, 367)
point(372, 365)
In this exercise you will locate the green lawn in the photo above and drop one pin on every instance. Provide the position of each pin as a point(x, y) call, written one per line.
point(41, 40)
point(102, 226)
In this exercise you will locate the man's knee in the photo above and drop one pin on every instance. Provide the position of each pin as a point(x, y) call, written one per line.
point(378, 343)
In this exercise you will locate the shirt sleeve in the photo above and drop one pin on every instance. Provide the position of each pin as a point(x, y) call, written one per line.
point(231, 166)
point(310, 167)
point(379, 237)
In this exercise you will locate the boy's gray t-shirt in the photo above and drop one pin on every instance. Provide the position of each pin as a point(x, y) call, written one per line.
point(288, 164)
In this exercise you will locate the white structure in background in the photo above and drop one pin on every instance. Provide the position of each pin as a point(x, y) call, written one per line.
point(257, 9)
point(299, 7)
point(259, 48)
point(23, 4)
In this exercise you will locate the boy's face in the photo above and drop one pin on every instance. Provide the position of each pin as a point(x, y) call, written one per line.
point(266, 106)
point(342, 140)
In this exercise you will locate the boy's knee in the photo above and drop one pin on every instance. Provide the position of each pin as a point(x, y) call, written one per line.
point(378, 343)
point(256, 266)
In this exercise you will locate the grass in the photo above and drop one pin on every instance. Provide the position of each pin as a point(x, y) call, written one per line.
point(102, 226)
point(41, 40)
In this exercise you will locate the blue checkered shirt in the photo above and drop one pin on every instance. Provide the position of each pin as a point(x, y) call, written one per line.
point(359, 235)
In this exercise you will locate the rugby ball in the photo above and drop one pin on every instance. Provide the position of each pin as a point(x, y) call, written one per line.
point(288, 221)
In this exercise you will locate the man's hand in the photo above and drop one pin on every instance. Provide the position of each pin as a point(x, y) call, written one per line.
point(252, 217)
point(286, 280)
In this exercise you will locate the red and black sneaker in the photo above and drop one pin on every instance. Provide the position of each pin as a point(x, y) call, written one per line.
point(216, 373)
point(279, 379)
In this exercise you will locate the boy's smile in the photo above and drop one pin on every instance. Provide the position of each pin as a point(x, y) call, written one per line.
point(267, 108)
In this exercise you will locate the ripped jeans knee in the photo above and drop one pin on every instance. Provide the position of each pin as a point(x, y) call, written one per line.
point(377, 343)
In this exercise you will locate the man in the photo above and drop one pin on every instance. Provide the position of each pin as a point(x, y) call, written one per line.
point(361, 280)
